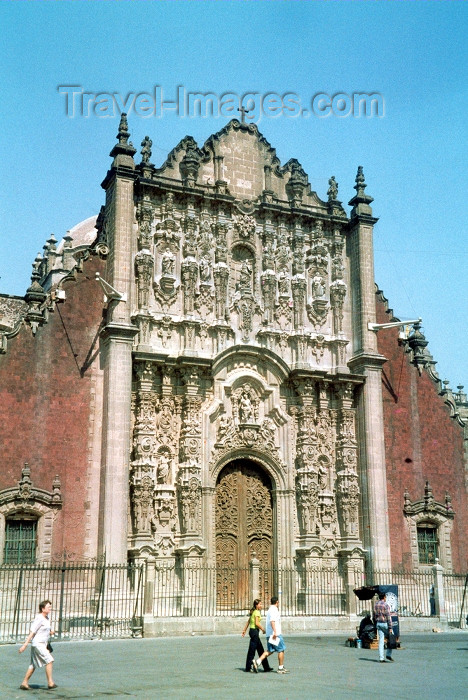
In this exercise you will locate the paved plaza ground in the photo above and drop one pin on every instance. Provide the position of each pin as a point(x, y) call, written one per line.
point(429, 666)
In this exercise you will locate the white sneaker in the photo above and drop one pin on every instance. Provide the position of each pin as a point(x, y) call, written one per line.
point(282, 670)
point(254, 666)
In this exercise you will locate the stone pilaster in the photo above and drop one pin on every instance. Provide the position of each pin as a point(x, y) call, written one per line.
point(116, 345)
point(367, 361)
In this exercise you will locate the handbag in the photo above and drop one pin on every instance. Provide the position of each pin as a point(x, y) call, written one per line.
point(49, 647)
point(391, 642)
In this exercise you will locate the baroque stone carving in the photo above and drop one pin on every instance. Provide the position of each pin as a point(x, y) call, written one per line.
point(232, 436)
point(144, 265)
point(12, 313)
point(245, 404)
point(166, 289)
point(246, 226)
point(25, 495)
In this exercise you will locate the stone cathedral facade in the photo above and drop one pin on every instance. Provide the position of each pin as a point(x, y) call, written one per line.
point(227, 398)
point(246, 357)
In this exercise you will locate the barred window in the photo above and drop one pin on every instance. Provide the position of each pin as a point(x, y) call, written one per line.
point(20, 541)
point(428, 545)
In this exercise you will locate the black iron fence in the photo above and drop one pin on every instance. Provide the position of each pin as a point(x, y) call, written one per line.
point(456, 599)
point(106, 601)
point(421, 595)
point(89, 600)
point(206, 591)
point(415, 590)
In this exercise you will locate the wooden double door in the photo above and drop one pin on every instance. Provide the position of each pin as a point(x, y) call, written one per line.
point(244, 527)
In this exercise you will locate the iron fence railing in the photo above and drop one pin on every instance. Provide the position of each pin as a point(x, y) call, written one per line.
point(106, 601)
point(456, 599)
point(203, 591)
point(89, 600)
point(415, 590)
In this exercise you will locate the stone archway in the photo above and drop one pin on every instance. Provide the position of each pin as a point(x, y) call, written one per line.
point(244, 527)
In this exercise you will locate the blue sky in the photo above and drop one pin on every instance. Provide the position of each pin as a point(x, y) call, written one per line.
point(413, 53)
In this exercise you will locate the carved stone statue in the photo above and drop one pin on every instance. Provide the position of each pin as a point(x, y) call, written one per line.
point(164, 468)
point(167, 263)
point(245, 408)
point(205, 269)
point(245, 278)
point(318, 287)
point(146, 149)
point(332, 189)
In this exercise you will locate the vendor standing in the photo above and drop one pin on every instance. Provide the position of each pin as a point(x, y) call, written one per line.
point(383, 623)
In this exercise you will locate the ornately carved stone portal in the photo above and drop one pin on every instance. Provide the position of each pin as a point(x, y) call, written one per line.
point(242, 307)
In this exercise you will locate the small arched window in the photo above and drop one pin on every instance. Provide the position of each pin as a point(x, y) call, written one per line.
point(27, 515)
point(428, 543)
point(20, 540)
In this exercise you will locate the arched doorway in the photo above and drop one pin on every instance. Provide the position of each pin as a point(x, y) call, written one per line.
point(244, 526)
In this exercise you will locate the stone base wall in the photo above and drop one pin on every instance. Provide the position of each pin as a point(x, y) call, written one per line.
point(187, 626)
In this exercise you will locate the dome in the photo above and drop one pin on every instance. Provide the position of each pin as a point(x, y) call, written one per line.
point(83, 234)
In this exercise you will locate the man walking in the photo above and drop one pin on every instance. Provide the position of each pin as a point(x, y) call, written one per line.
point(275, 641)
point(383, 622)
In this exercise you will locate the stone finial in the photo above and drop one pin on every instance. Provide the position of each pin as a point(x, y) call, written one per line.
point(51, 242)
point(56, 490)
point(146, 150)
point(417, 342)
point(297, 183)
point(124, 133)
point(360, 185)
point(124, 150)
point(35, 297)
point(406, 497)
point(332, 189)
point(428, 495)
point(448, 501)
point(361, 201)
point(38, 264)
point(25, 483)
point(190, 163)
point(51, 252)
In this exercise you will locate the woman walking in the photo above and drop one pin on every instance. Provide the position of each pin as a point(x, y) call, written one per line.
point(254, 626)
point(40, 648)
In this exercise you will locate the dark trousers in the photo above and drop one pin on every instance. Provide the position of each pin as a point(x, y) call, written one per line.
point(255, 646)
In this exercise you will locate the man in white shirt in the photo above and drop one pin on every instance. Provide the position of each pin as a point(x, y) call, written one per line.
point(275, 641)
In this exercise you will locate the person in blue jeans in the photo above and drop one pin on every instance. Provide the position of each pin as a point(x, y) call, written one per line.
point(255, 627)
point(275, 641)
point(383, 623)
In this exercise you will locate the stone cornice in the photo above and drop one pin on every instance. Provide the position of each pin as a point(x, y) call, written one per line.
point(120, 171)
point(363, 360)
point(118, 331)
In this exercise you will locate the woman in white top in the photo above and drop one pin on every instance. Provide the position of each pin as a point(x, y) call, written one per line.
point(39, 638)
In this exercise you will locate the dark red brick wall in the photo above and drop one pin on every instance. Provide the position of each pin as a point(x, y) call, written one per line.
point(422, 443)
point(45, 402)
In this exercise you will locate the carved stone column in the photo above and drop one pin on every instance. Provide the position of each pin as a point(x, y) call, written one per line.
point(144, 266)
point(189, 275)
point(143, 462)
point(189, 482)
point(347, 482)
point(167, 423)
point(307, 483)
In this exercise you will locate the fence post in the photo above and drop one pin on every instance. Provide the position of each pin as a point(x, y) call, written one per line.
point(254, 577)
point(350, 584)
point(62, 590)
point(439, 595)
point(150, 577)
